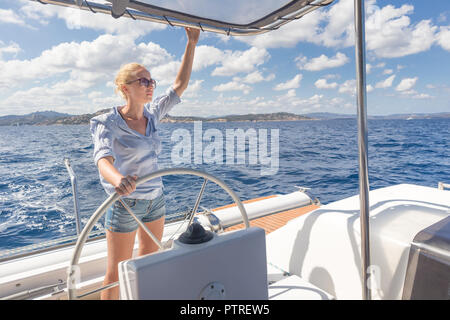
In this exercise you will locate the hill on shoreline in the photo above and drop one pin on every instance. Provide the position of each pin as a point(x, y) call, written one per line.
point(66, 119)
point(55, 118)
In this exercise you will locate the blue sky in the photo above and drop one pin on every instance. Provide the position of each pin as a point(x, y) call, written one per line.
point(60, 59)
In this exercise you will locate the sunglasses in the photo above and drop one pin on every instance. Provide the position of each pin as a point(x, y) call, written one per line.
point(145, 82)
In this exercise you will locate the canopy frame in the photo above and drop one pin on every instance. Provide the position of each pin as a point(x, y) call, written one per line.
point(138, 10)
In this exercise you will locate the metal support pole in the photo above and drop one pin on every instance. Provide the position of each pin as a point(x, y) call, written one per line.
point(362, 144)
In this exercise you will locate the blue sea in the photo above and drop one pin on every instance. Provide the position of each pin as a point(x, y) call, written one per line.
point(36, 201)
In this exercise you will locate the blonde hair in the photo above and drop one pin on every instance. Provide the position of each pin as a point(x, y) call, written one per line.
point(126, 73)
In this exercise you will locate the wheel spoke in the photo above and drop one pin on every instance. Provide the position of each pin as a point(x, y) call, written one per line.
point(150, 234)
point(197, 202)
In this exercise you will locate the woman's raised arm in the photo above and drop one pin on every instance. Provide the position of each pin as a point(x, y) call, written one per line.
point(184, 74)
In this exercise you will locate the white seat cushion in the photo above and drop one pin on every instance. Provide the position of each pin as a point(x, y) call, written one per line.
point(295, 288)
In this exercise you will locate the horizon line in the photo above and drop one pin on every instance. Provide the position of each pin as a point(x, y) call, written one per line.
point(244, 114)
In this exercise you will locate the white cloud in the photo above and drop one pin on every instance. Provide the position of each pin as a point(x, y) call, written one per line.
point(255, 77)
point(240, 84)
point(231, 63)
point(388, 71)
point(406, 84)
point(443, 38)
point(422, 96)
point(332, 76)
point(95, 95)
point(348, 87)
point(70, 70)
point(241, 61)
point(9, 16)
point(232, 86)
point(369, 66)
point(323, 84)
point(287, 102)
point(193, 89)
point(315, 99)
point(339, 30)
point(206, 56)
point(385, 83)
point(290, 84)
point(321, 62)
point(390, 33)
point(166, 73)
point(298, 104)
point(60, 97)
point(408, 93)
point(12, 48)
point(91, 58)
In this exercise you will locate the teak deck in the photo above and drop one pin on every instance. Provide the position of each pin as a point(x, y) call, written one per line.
point(273, 221)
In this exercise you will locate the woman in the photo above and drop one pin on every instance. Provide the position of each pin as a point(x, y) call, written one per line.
point(126, 146)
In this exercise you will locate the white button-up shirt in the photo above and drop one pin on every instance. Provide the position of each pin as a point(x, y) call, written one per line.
point(133, 153)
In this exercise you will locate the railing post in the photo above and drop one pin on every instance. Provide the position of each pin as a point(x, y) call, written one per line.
point(73, 180)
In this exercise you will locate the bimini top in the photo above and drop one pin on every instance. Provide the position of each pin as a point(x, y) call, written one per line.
point(231, 17)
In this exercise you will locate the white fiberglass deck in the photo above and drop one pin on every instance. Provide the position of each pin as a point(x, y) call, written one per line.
point(323, 246)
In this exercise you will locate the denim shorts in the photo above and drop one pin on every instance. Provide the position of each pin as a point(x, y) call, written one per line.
point(117, 218)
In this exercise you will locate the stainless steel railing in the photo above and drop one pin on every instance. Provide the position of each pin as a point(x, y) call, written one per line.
point(73, 181)
point(442, 186)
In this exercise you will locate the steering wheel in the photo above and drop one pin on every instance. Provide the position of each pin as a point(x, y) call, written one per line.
point(73, 270)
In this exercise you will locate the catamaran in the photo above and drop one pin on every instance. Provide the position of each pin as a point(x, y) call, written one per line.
point(289, 246)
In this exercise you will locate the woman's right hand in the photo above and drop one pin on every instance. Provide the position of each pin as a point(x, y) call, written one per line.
point(126, 185)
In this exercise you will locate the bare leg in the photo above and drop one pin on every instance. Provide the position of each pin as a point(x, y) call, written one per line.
point(120, 247)
point(146, 244)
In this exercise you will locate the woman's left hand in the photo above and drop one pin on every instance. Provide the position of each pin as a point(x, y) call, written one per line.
point(192, 34)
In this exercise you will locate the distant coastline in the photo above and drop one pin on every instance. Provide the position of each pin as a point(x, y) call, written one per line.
point(44, 118)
